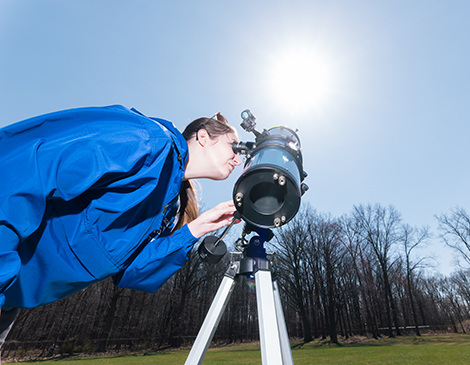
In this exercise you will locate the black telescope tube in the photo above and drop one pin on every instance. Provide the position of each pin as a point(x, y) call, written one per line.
point(268, 192)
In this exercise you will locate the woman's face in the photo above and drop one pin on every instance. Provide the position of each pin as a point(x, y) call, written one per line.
point(221, 160)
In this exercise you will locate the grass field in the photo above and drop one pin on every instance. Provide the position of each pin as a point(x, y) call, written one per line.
point(427, 349)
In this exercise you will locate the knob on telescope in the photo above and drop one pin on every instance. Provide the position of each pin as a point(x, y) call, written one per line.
point(212, 248)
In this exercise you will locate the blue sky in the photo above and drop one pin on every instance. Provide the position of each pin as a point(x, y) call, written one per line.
point(379, 90)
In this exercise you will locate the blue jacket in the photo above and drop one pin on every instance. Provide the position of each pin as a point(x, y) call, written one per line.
point(86, 194)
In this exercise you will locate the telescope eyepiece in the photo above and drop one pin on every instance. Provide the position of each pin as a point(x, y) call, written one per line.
point(243, 148)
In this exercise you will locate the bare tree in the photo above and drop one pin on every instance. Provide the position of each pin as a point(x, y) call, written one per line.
point(461, 279)
point(455, 231)
point(326, 234)
point(291, 243)
point(379, 228)
point(352, 242)
point(412, 238)
point(448, 287)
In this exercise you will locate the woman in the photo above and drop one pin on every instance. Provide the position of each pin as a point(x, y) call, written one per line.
point(90, 193)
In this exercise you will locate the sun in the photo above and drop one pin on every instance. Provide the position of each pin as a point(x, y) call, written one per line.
point(301, 80)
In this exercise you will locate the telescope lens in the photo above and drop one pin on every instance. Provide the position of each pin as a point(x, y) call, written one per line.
point(266, 198)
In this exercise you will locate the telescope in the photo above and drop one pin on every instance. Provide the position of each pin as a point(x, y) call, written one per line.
point(268, 192)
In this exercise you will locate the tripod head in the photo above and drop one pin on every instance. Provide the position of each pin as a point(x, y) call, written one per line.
point(213, 248)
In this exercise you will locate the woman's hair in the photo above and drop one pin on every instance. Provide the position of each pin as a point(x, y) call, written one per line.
point(215, 127)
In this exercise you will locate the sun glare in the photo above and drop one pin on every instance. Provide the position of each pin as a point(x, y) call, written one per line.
point(301, 80)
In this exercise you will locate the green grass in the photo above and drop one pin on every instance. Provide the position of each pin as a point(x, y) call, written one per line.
point(452, 349)
point(428, 349)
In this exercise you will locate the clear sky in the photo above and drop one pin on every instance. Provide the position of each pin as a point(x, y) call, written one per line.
point(379, 90)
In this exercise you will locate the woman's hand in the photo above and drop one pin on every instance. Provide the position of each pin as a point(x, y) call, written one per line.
point(219, 216)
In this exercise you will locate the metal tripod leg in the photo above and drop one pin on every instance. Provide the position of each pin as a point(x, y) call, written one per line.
point(269, 338)
point(274, 340)
point(213, 317)
point(282, 329)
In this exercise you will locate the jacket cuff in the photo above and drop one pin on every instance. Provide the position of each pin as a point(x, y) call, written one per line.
point(186, 234)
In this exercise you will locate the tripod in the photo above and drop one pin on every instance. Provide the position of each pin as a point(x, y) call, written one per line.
point(274, 340)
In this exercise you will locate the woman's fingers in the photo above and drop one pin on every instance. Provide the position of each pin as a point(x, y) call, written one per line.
point(213, 219)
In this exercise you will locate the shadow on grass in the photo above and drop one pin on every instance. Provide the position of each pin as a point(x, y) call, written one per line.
point(431, 339)
point(91, 356)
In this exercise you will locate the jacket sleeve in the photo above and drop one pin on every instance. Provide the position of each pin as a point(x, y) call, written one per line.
point(10, 262)
point(157, 262)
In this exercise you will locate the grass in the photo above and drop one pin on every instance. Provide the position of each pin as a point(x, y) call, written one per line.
point(427, 349)
point(445, 349)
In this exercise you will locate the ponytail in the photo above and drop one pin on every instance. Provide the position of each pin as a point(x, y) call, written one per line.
point(189, 207)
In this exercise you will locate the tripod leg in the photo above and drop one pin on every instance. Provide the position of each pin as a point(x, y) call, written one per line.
point(212, 320)
point(281, 324)
point(268, 327)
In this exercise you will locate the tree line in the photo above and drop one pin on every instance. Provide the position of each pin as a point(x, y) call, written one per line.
point(359, 274)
